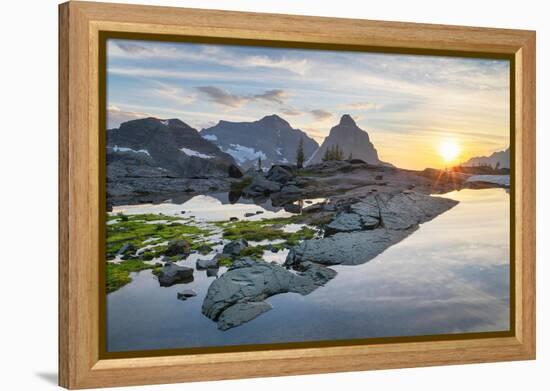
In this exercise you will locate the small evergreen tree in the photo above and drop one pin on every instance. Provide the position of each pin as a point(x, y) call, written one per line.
point(326, 156)
point(350, 156)
point(300, 157)
point(259, 163)
point(497, 165)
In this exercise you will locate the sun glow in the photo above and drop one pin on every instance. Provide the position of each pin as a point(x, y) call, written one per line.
point(449, 150)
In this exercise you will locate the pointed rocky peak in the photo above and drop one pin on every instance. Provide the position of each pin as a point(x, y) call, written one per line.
point(346, 120)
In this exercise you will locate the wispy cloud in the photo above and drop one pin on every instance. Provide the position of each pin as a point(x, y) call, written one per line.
point(362, 106)
point(290, 111)
point(321, 114)
point(225, 98)
point(208, 54)
point(175, 94)
point(405, 102)
point(277, 96)
point(222, 97)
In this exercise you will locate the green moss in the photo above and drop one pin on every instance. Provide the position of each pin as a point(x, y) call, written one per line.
point(255, 252)
point(136, 229)
point(225, 261)
point(118, 274)
point(268, 229)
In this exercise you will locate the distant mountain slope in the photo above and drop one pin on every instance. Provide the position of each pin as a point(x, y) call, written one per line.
point(501, 157)
point(351, 140)
point(169, 144)
point(271, 138)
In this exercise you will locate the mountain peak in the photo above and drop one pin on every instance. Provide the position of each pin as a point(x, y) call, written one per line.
point(346, 120)
point(273, 119)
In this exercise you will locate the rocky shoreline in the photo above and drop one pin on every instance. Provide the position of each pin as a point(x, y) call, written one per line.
point(368, 208)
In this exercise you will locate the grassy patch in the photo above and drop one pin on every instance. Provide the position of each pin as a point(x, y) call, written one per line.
point(118, 274)
point(136, 229)
point(268, 229)
point(225, 261)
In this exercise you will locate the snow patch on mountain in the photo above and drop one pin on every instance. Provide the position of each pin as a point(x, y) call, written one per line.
point(209, 137)
point(116, 148)
point(190, 152)
point(243, 154)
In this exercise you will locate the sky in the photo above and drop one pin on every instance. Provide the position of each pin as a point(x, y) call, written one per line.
point(409, 104)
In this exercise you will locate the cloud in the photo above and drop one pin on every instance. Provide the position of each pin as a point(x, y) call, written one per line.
point(174, 94)
point(290, 111)
point(222, 97)
point(320, 114)
point(225, 98)
point(362, 106)
point(206, 53)
point(277, 96)
point(116, 116)
point(130, 47)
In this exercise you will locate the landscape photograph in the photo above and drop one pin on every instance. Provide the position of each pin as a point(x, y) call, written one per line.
point(261, 195)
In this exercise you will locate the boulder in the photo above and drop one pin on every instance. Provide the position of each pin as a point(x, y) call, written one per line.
point(235, 247)
point(251, 281)
point(171, 274)
point(234, 172)
point(260, 187)
point(212, 272)
point(280, 174)
point(178, 247)
point(203, 264)
point(344, 222)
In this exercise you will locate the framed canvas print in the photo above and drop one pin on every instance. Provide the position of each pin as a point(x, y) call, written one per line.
point(248, 195)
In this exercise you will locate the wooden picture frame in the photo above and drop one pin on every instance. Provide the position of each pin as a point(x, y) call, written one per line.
point(81, 364)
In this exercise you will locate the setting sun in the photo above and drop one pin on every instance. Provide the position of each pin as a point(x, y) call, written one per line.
point(449, 150)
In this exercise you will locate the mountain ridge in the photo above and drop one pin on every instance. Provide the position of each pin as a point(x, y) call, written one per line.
point(270, 138)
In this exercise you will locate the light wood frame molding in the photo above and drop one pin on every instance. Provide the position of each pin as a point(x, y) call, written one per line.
point(80, 364)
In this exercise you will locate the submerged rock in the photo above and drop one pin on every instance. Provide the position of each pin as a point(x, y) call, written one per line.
point(251, 281)
point(241, 313)
point(171, 274)
point(184, 295)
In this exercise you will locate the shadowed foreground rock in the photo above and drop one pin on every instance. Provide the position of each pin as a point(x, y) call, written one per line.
point(238, 295)
point(171, 274)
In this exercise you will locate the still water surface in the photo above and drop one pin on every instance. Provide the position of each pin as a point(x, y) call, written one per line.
point(450, 276)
